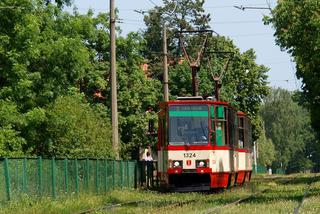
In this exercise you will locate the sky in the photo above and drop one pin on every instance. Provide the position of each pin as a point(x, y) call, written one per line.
point(245, 28)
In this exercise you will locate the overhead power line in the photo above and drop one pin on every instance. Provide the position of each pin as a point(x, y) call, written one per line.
point(152, 2)
point(252, 8)
point(249, 35)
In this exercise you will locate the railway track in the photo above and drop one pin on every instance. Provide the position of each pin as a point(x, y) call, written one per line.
point(161, 207)
point(110, 206)
point(155, 207)
point(239, 201)
point(306, 192)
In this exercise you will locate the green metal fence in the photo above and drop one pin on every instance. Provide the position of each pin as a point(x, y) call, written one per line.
point(259, 169)
point(54, 177)
point(262, 169)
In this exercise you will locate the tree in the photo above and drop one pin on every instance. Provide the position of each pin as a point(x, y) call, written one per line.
point(297, 25)
point(135, 94)
point(60, 3)
point(288, 126)
point(40, 59)
point(266, 151)
point(177, 16)
point(11, 121)
point(76, 129)
point(44, 54)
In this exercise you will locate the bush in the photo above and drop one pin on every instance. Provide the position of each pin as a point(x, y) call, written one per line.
point(76, 129)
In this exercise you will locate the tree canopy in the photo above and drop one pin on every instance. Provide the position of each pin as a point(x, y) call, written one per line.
point(54, 82)
point(297, 30)
point(288, 126)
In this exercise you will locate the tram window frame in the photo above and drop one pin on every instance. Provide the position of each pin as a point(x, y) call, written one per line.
point(165, 131)
point(224, 125)
point(232, 125)
point(247, 134)
point(241, 132)
point(161, 132)
point(199, 113)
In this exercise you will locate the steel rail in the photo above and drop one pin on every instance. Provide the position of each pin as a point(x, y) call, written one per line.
point(305, 195)
point(218, 209)
point(174, 205)
point(109, 206)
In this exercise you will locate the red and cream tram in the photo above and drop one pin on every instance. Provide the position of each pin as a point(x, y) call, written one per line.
point(202, 145)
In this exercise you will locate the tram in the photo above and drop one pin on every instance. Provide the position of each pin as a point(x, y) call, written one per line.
point(203, 144)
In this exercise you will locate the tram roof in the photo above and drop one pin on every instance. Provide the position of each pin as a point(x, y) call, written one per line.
point(211, 102)
point(198, 101)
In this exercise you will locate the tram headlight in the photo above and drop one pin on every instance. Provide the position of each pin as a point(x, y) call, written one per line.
point(176, 164)
point(202, 163)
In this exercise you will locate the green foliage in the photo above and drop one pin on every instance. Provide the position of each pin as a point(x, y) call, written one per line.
point(11, 121)
point(135, 94)
point(266, 151)
point(288, 126)
point(43, 53)
point(76, 129)
point(297, 25)
point(299, 163)
point(177, 15)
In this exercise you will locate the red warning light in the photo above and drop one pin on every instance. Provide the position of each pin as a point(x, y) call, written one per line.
point(188, 162)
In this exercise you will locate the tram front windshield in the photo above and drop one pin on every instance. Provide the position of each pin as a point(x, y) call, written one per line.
point(188, 125)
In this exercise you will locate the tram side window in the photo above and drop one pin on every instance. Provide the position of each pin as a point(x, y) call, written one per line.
point(250, 135)
point(241, 132)
point(247, 134)
point(221, 130)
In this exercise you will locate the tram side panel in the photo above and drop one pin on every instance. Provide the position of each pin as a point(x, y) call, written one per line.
point(221, 168)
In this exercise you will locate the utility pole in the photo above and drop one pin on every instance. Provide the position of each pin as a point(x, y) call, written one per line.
point(165, 65)
point(114, 102)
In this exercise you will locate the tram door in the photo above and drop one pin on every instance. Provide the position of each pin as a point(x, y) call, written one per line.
point(162, 153)
point(233, 136)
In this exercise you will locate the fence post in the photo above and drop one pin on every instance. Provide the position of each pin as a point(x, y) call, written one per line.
point(7, 179)
point(121, 173)
point(40, 176)
point(105, 175)
point(157, 170)
point(25, 179)
point(87, 175)
point(76, 175)
point(135, 174)
point(66, 184)
point(128, 181)
point(97, 176)
point(53, 178)
point(113, 173)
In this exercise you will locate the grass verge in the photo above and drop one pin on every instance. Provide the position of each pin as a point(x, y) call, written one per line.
point(283, 195)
